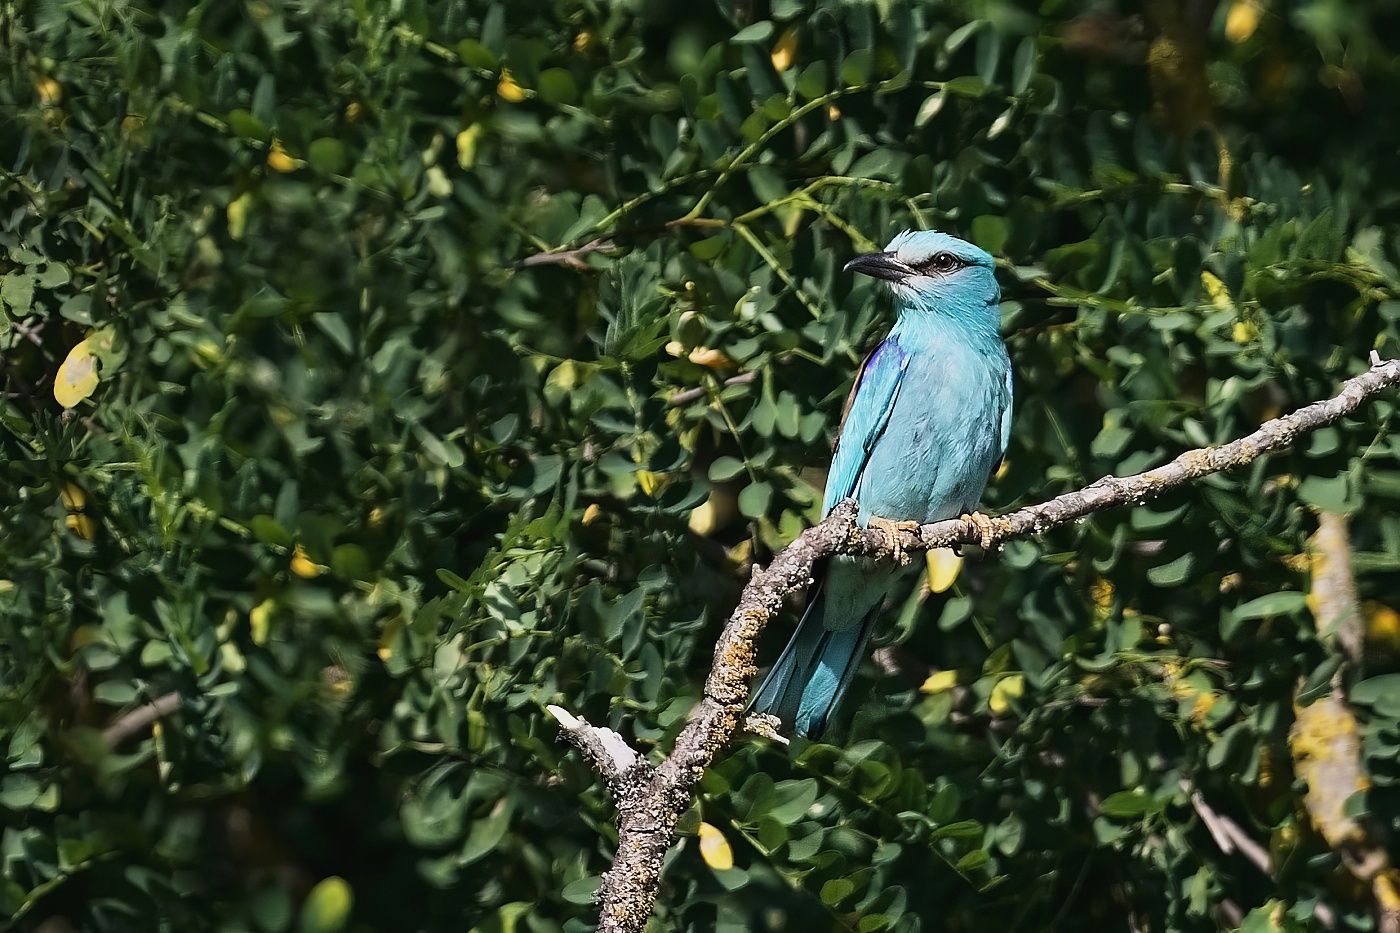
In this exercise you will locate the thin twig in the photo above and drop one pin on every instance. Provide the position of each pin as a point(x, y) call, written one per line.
point(686, 396)
point(573, 258)
point(140, 718)
point(652, 800)
point(1230, 836)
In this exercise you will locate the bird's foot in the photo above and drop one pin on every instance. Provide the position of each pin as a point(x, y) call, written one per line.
point(892, 530)
point(984, 528)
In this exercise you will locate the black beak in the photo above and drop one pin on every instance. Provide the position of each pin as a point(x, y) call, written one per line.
point(879, 265)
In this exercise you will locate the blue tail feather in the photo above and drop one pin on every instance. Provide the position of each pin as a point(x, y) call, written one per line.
point(814, 671)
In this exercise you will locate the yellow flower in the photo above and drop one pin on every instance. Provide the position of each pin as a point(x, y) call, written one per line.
point(1202, 707)
point(943, 565)
point(81, 525)
point(1101, 592)
point(50, 91)
point(303, 566)
point(785, 49)
point(652, 483)
point(278, 160)
point(238, 215)
point(1217, 292)
point(1242, 19)
point(466, 146)
point(940, 682)
point(260, 621)
point(73, 497)
point(388, 635)
point(714, 848)
point(77, 376)
point(1382, 625)
point(1007, 689)
point(702, 356)
point(508, 90)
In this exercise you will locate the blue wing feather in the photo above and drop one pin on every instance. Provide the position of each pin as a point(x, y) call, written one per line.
point(1006, 418)
point(932, 462)
point(867, 413)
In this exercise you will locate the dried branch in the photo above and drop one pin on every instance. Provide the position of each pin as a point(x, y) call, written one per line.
point(573, 258)
point(686, 396)
point(651, 800)
point(1334, 587)
point(1228, 834)
point(606, 751)
point(1325, 739)
point(141, 718)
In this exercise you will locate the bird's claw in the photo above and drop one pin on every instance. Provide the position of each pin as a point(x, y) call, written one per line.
point(892, 530)
point(984, 527)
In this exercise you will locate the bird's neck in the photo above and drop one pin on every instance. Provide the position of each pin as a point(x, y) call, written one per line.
point(975, 329)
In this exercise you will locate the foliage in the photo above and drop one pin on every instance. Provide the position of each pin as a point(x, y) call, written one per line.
point(365, 480)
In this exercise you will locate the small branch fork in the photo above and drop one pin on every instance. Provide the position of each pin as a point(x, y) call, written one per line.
point(651, 798)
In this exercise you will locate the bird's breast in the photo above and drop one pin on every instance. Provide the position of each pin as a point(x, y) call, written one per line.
point(942, 439)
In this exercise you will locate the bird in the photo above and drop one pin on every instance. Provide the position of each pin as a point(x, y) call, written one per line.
point(926, 422)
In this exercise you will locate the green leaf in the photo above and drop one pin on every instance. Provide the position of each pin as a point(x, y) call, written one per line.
point(1174, 573)
point(1129, 804)
point(327, 155)
point(990, 232)
point(17, 292)
point(1382, 692)
point(857, 68)
point(837, 890)
point(963, 829)
point(556, 86)
point(966, 86)
point(815, 80)
point(1270, 604)
point(1330, 494)
point(755, 499)
point(327, 907)
point(757, 32)
point(477, 55)
point(1023, 68)
point(583, 890)
point(725, 468)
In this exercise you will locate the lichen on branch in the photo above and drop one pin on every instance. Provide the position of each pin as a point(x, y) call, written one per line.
point(650, 801)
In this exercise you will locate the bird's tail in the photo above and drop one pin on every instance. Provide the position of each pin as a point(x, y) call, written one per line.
point(814, 671)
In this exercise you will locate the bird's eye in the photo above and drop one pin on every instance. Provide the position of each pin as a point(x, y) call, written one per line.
point(941, 264)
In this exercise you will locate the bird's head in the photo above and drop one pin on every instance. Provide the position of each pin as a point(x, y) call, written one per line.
point(934, 272)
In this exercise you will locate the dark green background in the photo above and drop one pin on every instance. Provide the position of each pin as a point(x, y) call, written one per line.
point(329, 343)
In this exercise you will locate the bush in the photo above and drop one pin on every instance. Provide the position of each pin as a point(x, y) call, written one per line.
point(421, 364)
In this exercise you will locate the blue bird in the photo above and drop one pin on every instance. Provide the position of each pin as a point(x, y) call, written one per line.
point(925, 424)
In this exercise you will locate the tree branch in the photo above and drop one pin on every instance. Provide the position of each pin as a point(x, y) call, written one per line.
point(651, 800)
point(686, 396)
point(573, 258)
point(606, 751)
point(141, 717)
